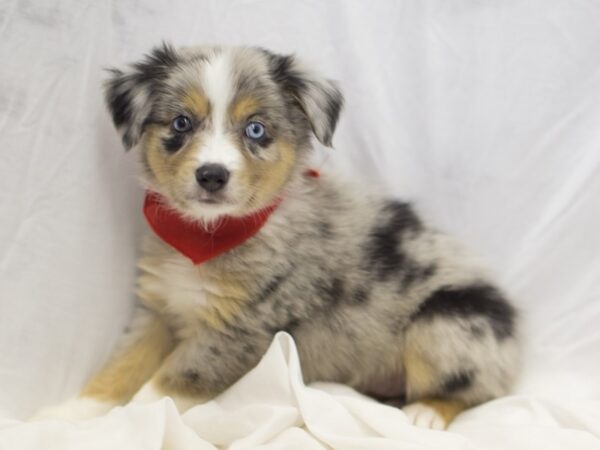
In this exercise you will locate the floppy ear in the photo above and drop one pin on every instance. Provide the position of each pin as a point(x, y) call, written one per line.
point(320, 99)
point(129, 94)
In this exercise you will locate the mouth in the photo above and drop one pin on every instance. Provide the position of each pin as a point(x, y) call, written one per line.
point(208, 206)
point(210, 201)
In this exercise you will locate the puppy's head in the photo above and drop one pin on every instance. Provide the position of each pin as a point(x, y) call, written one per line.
point(221, 130)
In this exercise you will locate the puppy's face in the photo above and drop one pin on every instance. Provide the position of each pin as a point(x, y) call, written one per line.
point(221, 131)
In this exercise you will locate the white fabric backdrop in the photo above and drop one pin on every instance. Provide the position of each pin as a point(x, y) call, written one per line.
point(485, 113)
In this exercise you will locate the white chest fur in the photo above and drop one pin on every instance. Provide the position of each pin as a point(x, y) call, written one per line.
point(170, 283)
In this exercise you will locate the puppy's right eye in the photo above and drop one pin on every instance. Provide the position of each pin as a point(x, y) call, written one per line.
point(255, 131)
point(181, 124)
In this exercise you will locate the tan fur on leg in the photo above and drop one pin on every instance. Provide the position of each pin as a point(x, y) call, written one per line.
point(420, 375)
point(131, 367)
point(421, 384)
point(446, 408)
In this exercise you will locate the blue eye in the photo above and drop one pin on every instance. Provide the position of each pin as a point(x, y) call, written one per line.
point(255, 131)
point(181, 124)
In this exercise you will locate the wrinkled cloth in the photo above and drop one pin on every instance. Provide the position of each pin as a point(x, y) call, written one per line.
point(271, 408)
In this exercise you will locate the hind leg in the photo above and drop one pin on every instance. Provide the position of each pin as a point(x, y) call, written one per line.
point(460, 350)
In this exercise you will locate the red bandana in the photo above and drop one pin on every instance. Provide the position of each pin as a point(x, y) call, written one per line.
point(192, 239)
point(196, 242)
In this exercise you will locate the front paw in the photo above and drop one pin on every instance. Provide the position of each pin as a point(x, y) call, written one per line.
point(433, 413)
point(78, 408)
point(424, 416)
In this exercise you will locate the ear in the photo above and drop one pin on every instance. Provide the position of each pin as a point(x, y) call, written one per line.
point(129, 94)
point(320, 99)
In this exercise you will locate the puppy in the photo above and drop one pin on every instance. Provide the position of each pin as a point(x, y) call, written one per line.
point(247, 241)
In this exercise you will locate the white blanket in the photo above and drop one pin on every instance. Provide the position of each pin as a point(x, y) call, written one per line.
point(486, 113)
point(270, 408)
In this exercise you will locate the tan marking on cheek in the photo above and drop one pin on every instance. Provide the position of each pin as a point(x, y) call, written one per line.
point(243, 108)
point(186, 164)
point(156, 156)
point(448, 409)
point(266, 178)
point(173, 171)
point(195, 101)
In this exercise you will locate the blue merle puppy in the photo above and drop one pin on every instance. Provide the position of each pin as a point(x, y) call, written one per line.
point(373, 297)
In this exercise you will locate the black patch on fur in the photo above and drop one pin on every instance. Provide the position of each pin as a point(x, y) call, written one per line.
point(284, 72)
point(214, 350)
point(157, 64)
point(289, 326)
point(402, 216)
point(146, 76)
point(256, 146)
point(382, 251)
point(174, 143)
point(359, 297)
point(476, 330)
point(249, 349)
point(399, 401)
point(273, 285)
point(325, 229)
point(128, 139)
point(335, 101)
point(331, 292)
point(191, 376)
point(120, 105)
point(265, 141)
point(240, 334)
point(457, 382)
point(396, 400)
point(415, 273)
point(476, 300)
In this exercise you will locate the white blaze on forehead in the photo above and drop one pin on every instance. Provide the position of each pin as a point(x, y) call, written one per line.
point(217, 82)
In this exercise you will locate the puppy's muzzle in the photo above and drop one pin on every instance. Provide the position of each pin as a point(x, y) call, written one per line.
point(212, 177)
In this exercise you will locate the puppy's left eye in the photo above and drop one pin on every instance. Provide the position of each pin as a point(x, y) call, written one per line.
point(255, 131)
point(181, 124)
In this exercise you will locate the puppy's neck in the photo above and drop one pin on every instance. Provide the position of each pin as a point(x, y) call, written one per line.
point(197, 241)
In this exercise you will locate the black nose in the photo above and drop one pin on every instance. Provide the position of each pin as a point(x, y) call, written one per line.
point(212, 177)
